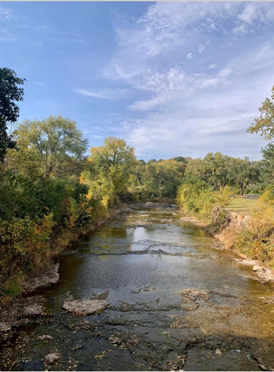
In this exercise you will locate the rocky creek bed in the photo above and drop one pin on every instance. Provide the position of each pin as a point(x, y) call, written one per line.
point(146, 291)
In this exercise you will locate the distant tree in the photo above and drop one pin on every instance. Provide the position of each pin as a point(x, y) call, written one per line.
point(243, 172)
point(47, 148)
point(114, 162)
point(10, 92)
point(180, 159)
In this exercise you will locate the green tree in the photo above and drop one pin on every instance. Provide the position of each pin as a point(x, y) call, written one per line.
point(48, 148)
point(10, 92)
point(111, 163)
point(243, 172)
point(213, 169)
point(265, 122)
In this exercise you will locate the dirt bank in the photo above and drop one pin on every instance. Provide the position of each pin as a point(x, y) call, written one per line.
point(226, 230)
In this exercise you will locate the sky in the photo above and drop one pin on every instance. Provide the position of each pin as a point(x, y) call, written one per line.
point(171, 78)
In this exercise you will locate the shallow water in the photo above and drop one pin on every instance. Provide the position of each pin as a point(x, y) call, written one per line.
point(143, 263)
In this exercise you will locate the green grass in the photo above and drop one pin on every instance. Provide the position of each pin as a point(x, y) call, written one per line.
point(243, 204)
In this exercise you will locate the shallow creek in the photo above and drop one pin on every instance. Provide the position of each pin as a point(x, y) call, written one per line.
point(174, 303)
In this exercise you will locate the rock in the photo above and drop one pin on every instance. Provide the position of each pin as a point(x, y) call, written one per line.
point(52, 357)
point(100, 296)
point(44, 337)
point(258, 268)
point(246, 262)
point(266, 275)
point(4, 327)
point(32, 310)
point(86, 307)
point(42, 279)
point(115, 340)
point(218, 352)
point(192, 295)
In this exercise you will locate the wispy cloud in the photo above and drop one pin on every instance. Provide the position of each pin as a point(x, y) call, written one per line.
point(103, 93)
point(193, 107)
point(40, 83)
point(5, 14)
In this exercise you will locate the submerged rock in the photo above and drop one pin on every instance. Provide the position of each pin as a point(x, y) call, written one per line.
point(192, 295)
point(32, 310)
point(44, 337)
point(4, 327)
point(52, 357)
point(86, 307)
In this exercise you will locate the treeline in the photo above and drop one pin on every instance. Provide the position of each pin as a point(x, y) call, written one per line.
point(210, 182)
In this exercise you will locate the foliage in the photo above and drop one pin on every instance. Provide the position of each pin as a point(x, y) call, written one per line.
point(219, 170)
point(10, 92)
point(197, 197)
point(48, 148)
point(109, 169)
point(257, 240)
point(158, 179)
point(265, 123)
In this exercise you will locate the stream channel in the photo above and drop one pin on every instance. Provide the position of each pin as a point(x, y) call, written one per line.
point(174, 303)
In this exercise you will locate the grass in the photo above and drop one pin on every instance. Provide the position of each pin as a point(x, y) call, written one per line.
point(243, 204)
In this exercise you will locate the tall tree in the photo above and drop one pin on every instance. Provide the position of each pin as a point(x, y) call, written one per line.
point(113, 161)
point(265, 122)
point(10, 92)
point(50, 147)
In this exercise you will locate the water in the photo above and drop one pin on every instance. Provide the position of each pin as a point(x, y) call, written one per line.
point(144, 263)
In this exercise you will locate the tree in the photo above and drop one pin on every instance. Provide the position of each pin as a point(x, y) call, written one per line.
point(213, 169)
point(243, 172)
point(47, 148)
point(268, 164)
point(10, 92)
point(265, 123)
point(114, 162)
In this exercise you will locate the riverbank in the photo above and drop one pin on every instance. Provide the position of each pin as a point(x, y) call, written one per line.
point(48, 275)
point(226, 232)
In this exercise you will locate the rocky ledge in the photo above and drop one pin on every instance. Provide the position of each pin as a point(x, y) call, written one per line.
point(42, 279)
point(83, 308)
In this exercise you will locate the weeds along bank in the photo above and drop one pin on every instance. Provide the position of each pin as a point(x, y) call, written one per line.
point(251, 234)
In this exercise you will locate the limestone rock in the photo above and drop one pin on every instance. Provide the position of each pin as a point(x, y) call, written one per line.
point(52, 357)
point(44, 337)
point(192, 295)
point(86, 307)
point(32, 310)
point(43, 279)
point(258, 268)
point(4, 327)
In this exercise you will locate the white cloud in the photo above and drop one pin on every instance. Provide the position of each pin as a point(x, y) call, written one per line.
point(95, 136)
point(193, 108)
point(103, 93)
point(5, 14)
point(40, 83)
point(201, 48)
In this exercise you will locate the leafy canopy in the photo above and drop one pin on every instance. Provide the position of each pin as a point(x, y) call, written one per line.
point(265, 122)
point(50, 147)
point(10, 92)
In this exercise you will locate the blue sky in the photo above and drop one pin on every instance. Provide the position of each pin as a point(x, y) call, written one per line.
point(171, 78)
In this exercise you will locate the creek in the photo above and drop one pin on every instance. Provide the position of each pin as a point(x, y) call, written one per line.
point(174, 303)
